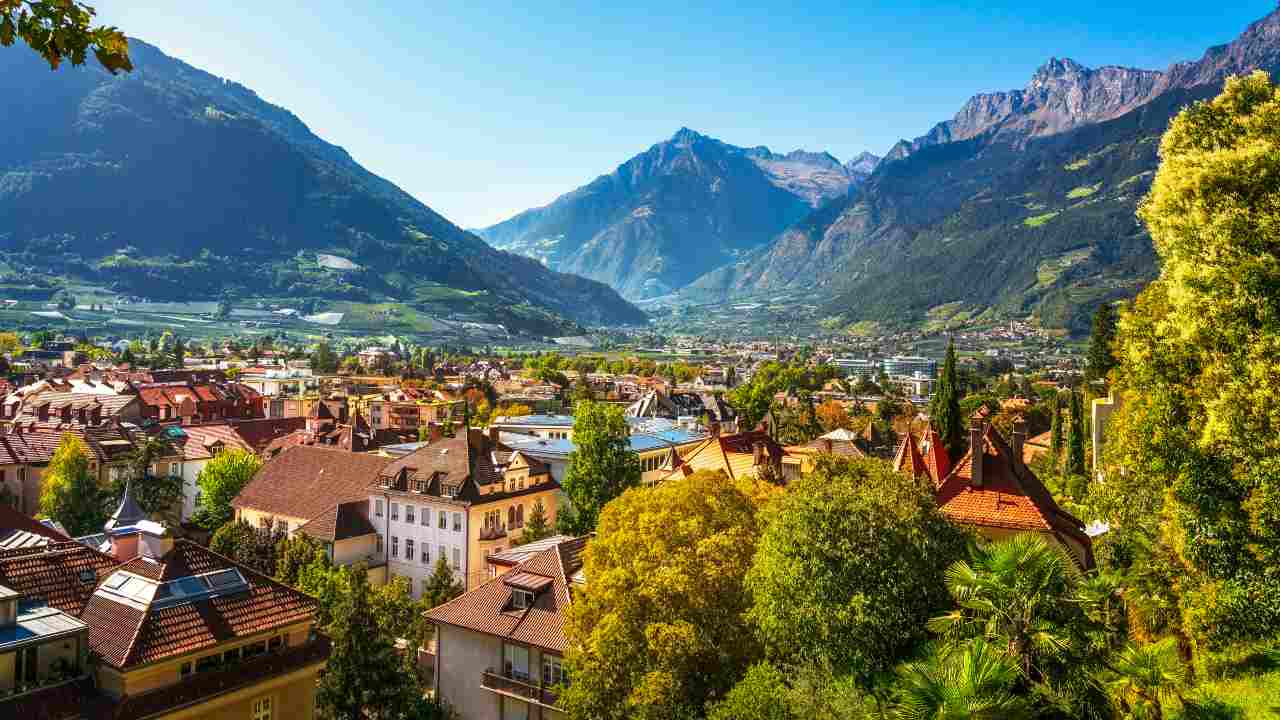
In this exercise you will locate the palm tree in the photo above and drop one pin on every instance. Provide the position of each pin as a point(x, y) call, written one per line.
point(972, 682)
point(1146, 677)
point(1012, 594)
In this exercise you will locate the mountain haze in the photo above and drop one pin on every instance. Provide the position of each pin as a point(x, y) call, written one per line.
point(171, 183)
point(675, 211)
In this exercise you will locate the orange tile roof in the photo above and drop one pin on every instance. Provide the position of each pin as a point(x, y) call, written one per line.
point(62, 575)
point(487, 609)
point(908, 459)
point(305, 481)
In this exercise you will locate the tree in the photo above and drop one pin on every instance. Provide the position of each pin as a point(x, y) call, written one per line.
point(363, 677)
point(247, 545)
point(10, 344)
point(944, 409)
point(323, 360)
point(293, 554)
point(220, 481)
point(1100, 358)
point(807, 692)
point(442, 586)
point(972, 682)
point(158, 496)
point(179, 353)
point(70, 494)
point(1055, 435)
point(1144, 678)
point(1075, 437)
point(601, 465)
point(536, 527)
point(1014, 593)
point(660, 630)
point(1198, 435)
point(832, 415)
point(62, 30)
point(850, 567)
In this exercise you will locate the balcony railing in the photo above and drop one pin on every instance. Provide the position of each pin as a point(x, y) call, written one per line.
point(525, 689)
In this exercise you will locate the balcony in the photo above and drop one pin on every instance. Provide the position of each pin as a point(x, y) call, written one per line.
point(521, 689)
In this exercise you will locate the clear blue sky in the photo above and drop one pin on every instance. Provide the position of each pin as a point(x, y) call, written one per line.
point(481, 110)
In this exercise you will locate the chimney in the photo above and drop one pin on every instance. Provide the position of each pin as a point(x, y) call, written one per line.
point(124, 546)
point(1019, 437)
point(975, 451)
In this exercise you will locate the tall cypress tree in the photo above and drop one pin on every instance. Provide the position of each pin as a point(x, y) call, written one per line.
point(1055, 436)
point(945, 407)
point(1075, 436)
point(1100, 360)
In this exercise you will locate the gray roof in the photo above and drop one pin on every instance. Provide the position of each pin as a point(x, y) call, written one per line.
point(129, 513)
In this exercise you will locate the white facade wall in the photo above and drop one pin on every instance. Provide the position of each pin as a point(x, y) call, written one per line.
point(397, 531)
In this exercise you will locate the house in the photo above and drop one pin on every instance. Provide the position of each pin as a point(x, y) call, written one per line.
point(174, 630)
point(462, 499)
point(190, 401)
point(26, 449)
point(329, 425)
point(70, 408)
point(651, 440)
point(194, 446)
point(500, 647)
point(991, 489)
point(840, 442)
point(741, 455)
point(19, 531)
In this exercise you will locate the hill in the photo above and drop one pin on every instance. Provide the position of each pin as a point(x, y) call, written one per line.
point(675, 211)
point(171, 184)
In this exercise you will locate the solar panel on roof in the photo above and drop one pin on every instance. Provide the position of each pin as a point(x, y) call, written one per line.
point(225, 578)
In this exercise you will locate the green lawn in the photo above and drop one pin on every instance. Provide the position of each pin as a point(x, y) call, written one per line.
point(1252, 692)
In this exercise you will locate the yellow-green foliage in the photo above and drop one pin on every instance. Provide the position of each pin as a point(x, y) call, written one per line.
point(1083, 191)
point(1079, 164)
point(1038, 220)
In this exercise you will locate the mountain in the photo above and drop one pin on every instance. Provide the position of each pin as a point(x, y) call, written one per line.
point(673, 212)
point(1024, 202)
point(173, 184)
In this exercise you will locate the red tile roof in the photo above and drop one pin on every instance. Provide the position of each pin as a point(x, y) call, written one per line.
point(260, 432)
point(62, 575)
point(125, 635)
point(304, 482)
point(908, 459)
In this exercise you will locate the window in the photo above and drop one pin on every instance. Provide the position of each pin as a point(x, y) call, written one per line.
point(276, 643)
point(520, 516)
point(553, 670)
point(395, 511)
point(444, 520)
point(515, 661)
point(395, 546)
point(511, 517)
point(408, 514)
point(262, 709)
point(408, 548)
point(457, 522)
point(208, 662)
point(521, 599)
point(231, 657)
point(254, 650)
point(379, 550)
point(493, 519)
point(426, 517)
point(377, 508)
point(426, 554)
point(457, 558)
point(184, 671)
point(441, 555)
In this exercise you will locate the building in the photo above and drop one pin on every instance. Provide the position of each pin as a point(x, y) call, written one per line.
point(500, 647)
point(909, 365)
point(461, 499)
point(190, 401)
point(653, 446)
point(858, 367)
point(194, 446)
point(27, 448)
point(991, 489)
point(174, 630)
point(743, 455)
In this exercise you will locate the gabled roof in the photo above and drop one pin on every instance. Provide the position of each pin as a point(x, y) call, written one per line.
point(1010, 496)
point(340, 522)
point(18, 530)
point(733, 454)
point(125, 634)
point(63, 575)
point(936, 458)
point(488, 609)
point(304, 481)
point(908, 459)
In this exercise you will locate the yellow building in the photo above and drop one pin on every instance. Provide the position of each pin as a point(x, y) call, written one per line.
point(178, 632)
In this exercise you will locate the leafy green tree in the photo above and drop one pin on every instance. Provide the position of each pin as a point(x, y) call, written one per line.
point(1055, 435)
point(220, 481)
point(62, 30)
point(972, 682)
point(760, 695)
point(70, 494)
point(944, 408)
point(1100, 358)
point(442, 586)
point(1198, 435)
point(660, 630)
point(293, 555)
point(248, 545)
point(536, 527)
point(601, 466)
point(364, 676)
point(806, 692)
point(752, 401)
point(851, 567)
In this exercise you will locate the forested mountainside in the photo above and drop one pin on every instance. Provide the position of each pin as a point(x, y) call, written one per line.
point(677, 210)
point(170, 183)
point(1024, 202)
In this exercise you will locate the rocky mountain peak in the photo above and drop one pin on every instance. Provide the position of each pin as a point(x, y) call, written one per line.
point(864, 163)
point(685, 136)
